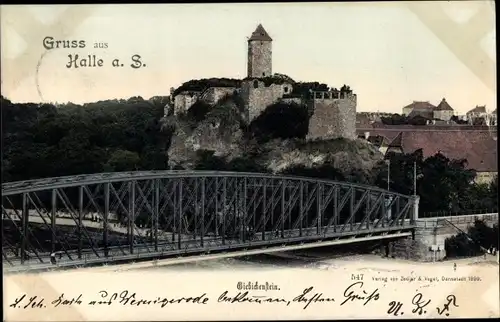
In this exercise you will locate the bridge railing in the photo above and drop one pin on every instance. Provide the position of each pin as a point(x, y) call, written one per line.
point(493, 210)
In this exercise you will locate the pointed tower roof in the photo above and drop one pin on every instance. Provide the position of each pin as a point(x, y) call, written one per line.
point(260, 34)
point(444, 106)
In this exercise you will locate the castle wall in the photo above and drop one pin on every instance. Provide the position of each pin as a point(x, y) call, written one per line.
point(257, 99)
point(183, 102)
point(214, 94)
point(333, 118)
point(259, 58)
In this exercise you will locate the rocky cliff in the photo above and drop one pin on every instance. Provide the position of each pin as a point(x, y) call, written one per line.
point(224, 132)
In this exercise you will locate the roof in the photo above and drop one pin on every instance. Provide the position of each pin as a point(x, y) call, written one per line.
point(477, 146)
point(260, 34)
point(443, 106)
point(425, 113)
point(421, 105)
point(478, 109)
point(408, 127)
point(378, 140)
point(397, 141)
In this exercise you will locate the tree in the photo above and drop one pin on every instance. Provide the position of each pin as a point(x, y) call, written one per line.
point(394, 119)
point(122, 160)
point(282, 121)
point(40, 140)
point(443, 185)
point(455, 119)
point(198, 111)
point(325, 171)
point(206, 160)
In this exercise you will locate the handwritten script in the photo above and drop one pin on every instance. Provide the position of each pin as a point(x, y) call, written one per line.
point(357, 294)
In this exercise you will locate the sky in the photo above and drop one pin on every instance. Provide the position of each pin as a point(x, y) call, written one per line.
point(390, 54)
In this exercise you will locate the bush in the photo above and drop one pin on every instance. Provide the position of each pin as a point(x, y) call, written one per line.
point(469, 244)
point(198, 85)
point(302, 89)
point(280, 120)
point(198, 111)
point(325, 171)
point(460, 246)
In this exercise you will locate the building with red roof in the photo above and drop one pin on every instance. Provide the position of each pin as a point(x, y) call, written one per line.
point(476, 144)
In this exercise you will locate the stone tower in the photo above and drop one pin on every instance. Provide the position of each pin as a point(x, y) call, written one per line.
point(259, 53)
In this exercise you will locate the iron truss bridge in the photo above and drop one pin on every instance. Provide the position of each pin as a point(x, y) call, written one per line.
point(126, 216)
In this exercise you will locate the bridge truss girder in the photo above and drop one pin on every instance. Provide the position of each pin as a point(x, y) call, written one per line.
point(113, 216)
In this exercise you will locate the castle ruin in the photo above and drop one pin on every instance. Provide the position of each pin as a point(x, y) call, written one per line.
point(333, 112)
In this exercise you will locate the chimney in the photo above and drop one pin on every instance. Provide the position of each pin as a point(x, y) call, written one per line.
point(367, 135)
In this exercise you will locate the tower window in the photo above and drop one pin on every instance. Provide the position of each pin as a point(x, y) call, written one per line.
point(286, 89)
point(255, 84)
point(263, 74)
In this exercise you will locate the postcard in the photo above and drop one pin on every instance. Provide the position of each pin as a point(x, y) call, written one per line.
point(249, 161)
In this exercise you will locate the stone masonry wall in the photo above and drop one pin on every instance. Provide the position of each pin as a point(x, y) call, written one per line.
point(407, 249)
point(434, 231)
point(431, 233)
point(257, 99)
point(214, 94)
point(259, 58)
point(183, 102)
point(333, 118)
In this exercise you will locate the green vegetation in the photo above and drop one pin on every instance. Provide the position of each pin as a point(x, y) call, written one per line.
point(40, 140)
point(479, 237)
point(198, 111)
point(303, 89)
point(206, 160)
point(324, 171)
point(198, 85)
point(455, 119)
point(277, 79)
point(280, 120)
point(397, 119)
point(443, 185)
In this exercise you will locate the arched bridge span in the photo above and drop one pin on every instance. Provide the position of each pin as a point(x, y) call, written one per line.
point(110, 217)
